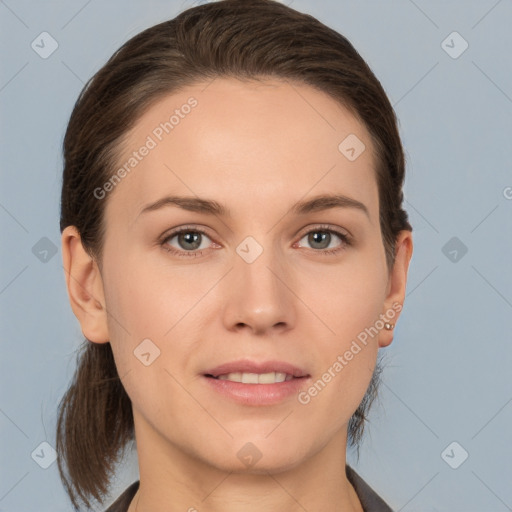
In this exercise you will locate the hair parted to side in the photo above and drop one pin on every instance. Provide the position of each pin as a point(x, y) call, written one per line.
point(228, 38)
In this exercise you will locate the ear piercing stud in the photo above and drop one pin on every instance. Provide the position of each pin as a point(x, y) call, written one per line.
point(389, 326)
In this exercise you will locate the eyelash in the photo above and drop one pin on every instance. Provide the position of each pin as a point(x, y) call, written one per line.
point(346, 241)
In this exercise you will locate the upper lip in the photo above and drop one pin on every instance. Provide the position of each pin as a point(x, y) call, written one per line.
point(247, 366)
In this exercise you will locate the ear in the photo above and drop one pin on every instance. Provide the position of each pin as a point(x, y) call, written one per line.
point(396, 285)
point(85, 287)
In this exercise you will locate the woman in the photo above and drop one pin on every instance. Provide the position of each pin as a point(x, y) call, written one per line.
point(236, 253)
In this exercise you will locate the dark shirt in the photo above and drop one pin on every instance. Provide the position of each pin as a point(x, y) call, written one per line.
point(370, 501)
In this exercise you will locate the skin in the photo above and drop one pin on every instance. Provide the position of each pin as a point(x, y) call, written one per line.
point(257, 148)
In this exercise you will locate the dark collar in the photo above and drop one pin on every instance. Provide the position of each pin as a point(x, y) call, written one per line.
point(123, 502)
point(370, 501)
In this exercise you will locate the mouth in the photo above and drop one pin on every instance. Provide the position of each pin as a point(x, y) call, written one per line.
point(256, 384)
point(253, 372)
point(255, 378)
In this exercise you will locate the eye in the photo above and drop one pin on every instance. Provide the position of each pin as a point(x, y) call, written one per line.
point(321, 238)
point(192, 241)
point(188, 242)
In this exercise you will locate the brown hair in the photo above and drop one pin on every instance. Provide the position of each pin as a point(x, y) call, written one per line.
point(231, 38)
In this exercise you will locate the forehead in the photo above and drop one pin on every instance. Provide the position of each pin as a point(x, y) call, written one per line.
point(245, 140)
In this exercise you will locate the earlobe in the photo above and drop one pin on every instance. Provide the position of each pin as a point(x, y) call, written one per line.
point(397, 285)
point(85, 287)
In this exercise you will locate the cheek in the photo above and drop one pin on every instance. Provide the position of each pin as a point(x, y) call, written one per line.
point(347, 297)
point(143, 306)
point(144, 293)
point(148, 300)
point(137, 311)
point(346, 363)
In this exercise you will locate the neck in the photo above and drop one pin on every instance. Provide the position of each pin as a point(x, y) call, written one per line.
point(172, 480)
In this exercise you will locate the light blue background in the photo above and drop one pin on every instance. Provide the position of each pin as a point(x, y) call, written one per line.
point(448, 372)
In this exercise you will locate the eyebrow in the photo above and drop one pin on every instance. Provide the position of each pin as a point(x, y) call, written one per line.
point(211, 207)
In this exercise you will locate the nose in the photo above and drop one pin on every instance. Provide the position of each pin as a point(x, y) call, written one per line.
point(258, 295)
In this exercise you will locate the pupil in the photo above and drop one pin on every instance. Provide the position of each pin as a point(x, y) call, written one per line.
point(190, 238)
point(319, 237)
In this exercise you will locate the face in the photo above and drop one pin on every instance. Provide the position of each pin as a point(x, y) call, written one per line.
point(264, 277)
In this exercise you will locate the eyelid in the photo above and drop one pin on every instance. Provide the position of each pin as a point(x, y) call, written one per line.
point(176, 231)
point(344, 235)
point(162, 241)
point(325, 227)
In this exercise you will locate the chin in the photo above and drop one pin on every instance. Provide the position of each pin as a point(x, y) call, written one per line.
point(258, 457)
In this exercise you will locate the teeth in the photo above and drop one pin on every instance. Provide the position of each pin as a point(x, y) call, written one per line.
point(249, 378)
point(256, 378)
point(233, 377)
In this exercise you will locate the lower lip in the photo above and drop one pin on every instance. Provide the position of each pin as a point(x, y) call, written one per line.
point(257, 394)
